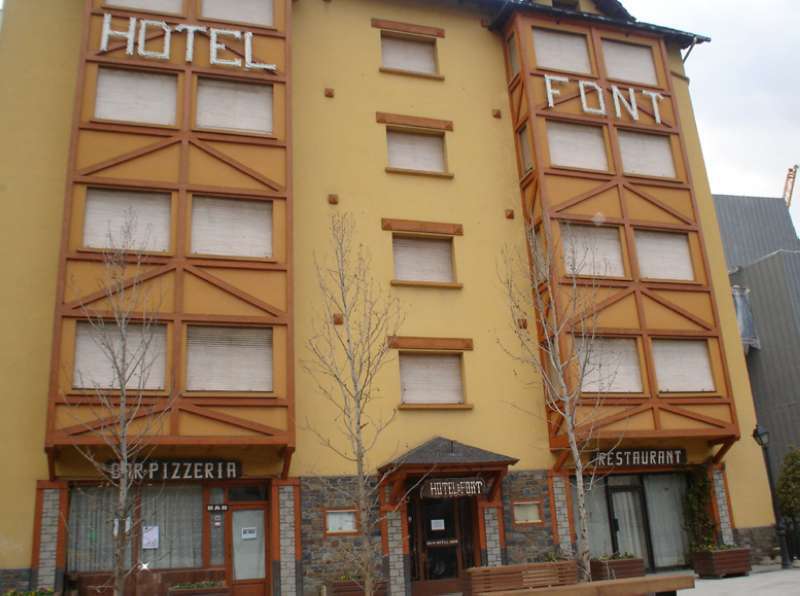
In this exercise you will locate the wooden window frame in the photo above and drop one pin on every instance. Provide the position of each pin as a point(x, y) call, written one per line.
point(195, 127)
point(406, 228)
point(110, 5)
point(572, 30)
point(641, 347)
point(528, 524)
point(417, 125)
point(604, 128)
point(354, 510)
point(655, 54)
point(674, 150)
point(435, 76)
point(433, 346)
point(694, 260)
point(512, 40)
point(623, 249)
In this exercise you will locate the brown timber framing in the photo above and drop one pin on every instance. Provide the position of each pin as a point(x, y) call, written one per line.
point(178, 261)
point(528, 113)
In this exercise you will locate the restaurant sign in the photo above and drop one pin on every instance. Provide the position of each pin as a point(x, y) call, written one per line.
point(451, 488)
point(638, 458)
point(154, 470)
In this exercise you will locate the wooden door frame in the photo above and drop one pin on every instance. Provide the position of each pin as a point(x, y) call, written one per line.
point(229, 571)
point(639, 490)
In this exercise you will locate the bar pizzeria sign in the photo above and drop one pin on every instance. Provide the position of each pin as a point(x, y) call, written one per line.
point(156, 470)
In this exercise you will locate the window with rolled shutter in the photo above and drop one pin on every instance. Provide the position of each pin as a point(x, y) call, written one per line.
point(412, 55)
point(664, 255)
point(136, 96)
point(525, 149)
point(592, 250)
point(431, 378)
point(612, 365)
point(577, 146)
point(682, 365)
point(629, 62)
point(561, 51)
point(231, 105)
point(127, 220)
point(162, 6)
point(256, 12)
point(646, 154)
point(98, 348)
point(229, 359)
point(513, 57)
point(423, 259)
point(416, 151)
point(231, 227)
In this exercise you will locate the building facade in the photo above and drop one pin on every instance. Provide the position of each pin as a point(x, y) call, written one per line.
point(229, 132)
point(763, 259)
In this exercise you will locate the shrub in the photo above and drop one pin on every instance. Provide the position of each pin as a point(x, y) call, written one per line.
point(789, 484)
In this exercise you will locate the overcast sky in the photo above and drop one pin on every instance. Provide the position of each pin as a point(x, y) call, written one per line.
point(745, 88)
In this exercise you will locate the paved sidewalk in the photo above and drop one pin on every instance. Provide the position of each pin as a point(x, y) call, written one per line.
point(771, 583)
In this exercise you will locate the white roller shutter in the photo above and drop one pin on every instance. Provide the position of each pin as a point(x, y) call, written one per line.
point(682, 365)
point(577, 146)
point(591, 250)
point(229, 105)
point(162, 6)
point(642, 153)
point(525, 149)
point(513, 57)
point(135, 96)
point(257, 12)
point(98, 348)
point(231, 227)
point(408, 54)
point(431, 378)
point(229, 359)
point(664, 255)
point(613, 366)
point(423, 259)
point(415, 151)
point(629, 62)
point(126, 220)
point(561, 51)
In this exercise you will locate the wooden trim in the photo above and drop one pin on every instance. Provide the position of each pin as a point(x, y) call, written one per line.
point(422, 227)
point(413, 121)
point(391, 170)
point(412, 73)
point(430, 343)
point(407, 28)
point(443, 285)
point(538, 503)
point(428, 407)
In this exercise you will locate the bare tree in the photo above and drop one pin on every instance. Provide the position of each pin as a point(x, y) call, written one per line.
point(120, 324)
point(561, 348)
point(348, 349)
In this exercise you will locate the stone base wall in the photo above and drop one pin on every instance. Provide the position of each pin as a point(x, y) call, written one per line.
point(527, 544)
point(15, 579)
point(323, 559)
point(762, 541)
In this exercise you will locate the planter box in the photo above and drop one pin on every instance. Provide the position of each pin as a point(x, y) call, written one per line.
point(722, 563)
point(217, 591)
point(351, 588)
point(616, 568)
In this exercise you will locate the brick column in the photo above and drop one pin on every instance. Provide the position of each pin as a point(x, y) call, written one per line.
point(49, 536)
point(399, 572)
point(561, 513)
point(491, 524)
point(287, 577)
point(721, 502)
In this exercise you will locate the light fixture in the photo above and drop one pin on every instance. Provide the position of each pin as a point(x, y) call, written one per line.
point(761, 435)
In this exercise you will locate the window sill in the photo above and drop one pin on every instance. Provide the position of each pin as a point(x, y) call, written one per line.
point(392, 170)
point(412, 73)
point(210, 257)
point(418, 407)
point(427, 284)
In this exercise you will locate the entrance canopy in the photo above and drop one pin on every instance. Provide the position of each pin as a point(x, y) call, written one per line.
point(440, 456)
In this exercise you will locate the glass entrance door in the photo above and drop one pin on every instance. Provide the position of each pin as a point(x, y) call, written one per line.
point(629, 522)
point(248, 560)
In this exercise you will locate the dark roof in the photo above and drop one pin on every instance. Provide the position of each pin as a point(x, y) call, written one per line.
point(615, 14)
point(753, 227)
point(442, 452)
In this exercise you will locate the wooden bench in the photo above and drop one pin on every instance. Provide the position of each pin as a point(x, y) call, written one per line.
point(634, 586)
point(489, 580)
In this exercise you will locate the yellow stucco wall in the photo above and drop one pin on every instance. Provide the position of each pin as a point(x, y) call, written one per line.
point(339, 148)
point(39, 47)
point(747, 475)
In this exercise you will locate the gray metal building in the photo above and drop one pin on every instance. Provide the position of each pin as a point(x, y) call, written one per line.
point(763, 255)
